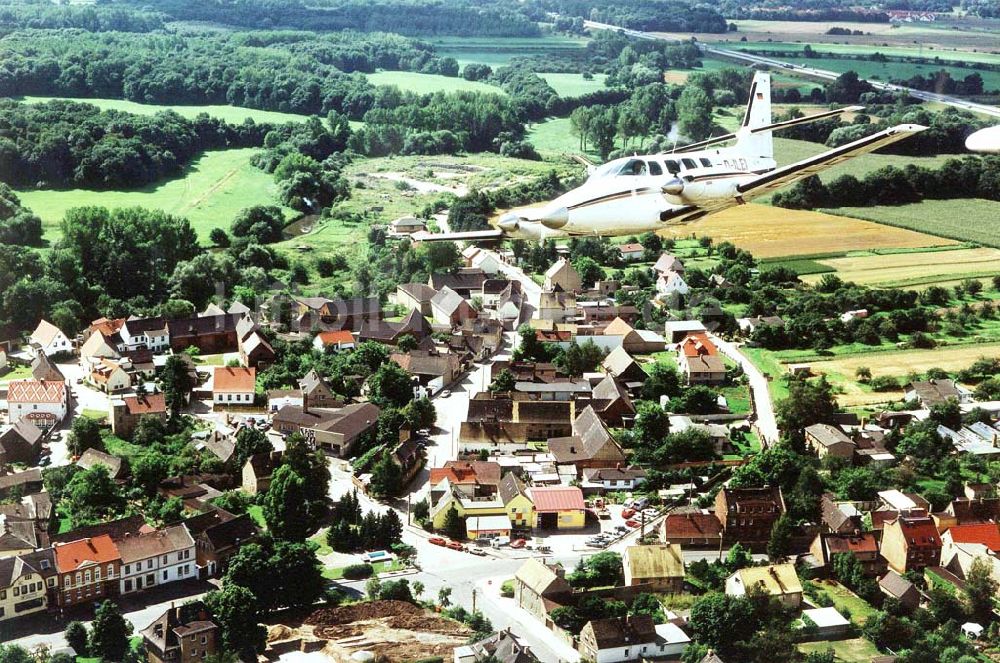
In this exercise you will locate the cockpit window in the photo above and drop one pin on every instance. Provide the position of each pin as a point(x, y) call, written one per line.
point(705, 162)
point(672, 166)
point(605, 170)
point(634, 167)
point(654, 168)
point(689, 163)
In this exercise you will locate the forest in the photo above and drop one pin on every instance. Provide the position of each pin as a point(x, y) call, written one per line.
point(63, 143)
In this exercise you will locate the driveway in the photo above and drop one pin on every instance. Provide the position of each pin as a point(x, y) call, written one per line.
point(763, 406)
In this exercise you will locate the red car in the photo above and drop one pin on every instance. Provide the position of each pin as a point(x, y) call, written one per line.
point(438, 541)
point(628, 513)
point(518, 543)
point(632, 523)
point(455, 545)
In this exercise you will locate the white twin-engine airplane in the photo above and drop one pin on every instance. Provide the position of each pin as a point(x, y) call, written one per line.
point(646, 193)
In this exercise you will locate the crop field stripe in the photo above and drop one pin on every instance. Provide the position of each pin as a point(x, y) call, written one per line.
point(961, 219)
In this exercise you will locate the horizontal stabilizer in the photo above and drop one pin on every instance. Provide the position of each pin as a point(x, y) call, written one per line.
point(800, 170)
point(472, 235)
point(769, 127)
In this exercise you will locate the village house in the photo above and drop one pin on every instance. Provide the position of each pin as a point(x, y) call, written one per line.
point(692, 527)
point(750, 325)
point(234, 385)
point(43, 370)
point(475, 478)
point(677, 330)
point(631, 251)
point(634, 341)
point(618, 639)
point(516, 501)
point(590, 446)
point(335, 341)
point(431, 371)
point(99, 346)
point(19, 536)
point(501, 647)
point(610, 479)
point(864, 546)
point(660, 566)
point(538, 585)
point(779, 581)
point(218, 535)
point(27, 482)
point(49, 340)
point(897, 587)
point(26, 582)
point(151, 333)
point(450, 308)
point(182, 634)
point(258, 470)
point(41, 403)
point(827, 440)
point(255, 350)
point(562, 275)
point(509, 307)
point(986, 535)
point(557, 305)
point(671, 283)
point(612, 403)
point(20, 443)
point(88, 570)
point(109, 376)
point(748, 514)
point(390, 333)
point(406, 225)
point(335, 430)
point(127, 412)
point(699, 361)
point(465, 505)
point(620, 365)
point(466, 282)
point(910, 543)
point(494, 418)
point(156, 558)
point(935, 392)
point(416, 297)
point(668, 263)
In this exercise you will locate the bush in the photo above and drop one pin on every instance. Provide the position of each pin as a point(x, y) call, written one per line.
point(358, 571)
point(507, 589)
point(884, 383)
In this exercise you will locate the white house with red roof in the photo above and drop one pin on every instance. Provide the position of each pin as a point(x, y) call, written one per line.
point(234, 385)
point(49, 340)
point(339, 340)
point(40, 402)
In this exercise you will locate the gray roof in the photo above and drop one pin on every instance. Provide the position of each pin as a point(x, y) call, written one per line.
point(827, 435)
point(418, 291)
point(572, 387)
point(93, 457)
point(931, 392)
point(895, 584)
point(447, 300)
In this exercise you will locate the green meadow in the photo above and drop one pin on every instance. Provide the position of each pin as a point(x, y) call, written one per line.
point(409, 81)
point(231, 114)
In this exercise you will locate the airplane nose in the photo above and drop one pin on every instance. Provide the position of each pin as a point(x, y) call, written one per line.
point(674, 187)
point(556, 219)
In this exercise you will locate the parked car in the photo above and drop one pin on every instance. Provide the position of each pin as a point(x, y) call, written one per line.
point(438, 541)
point(500, 541)
point(650, 513)
point(446, 393)
point(479, 552)
point(518, 543)
point(455, 545)
point(628, 513)
point(621, 529)
point(632, 523)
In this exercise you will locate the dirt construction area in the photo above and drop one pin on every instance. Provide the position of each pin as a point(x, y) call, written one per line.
point(395, 631)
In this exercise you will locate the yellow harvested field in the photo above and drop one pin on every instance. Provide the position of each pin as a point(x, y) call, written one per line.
point(771, 232)
point(904, 269)
point(897, 363)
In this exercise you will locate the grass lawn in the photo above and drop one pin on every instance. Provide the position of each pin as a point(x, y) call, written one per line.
point(17, 373)
point(499, 52)
point(855, 650)
point(788, 151)
point(210, 192)
point(738, 398)
point(210, 360)
point(960, 219)
point(95, 414)
point(555, 136)
point(845, 600)
point(231, 114)
point(769, 365)
point(380, 567)
point(409, 81)
point(119, 447)
point(319, 538)
point(256, 512)
point(574, 85)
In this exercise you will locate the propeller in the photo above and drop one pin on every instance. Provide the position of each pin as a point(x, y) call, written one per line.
point(674, 187)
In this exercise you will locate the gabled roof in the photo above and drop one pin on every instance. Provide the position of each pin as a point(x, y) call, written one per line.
point(698, 345)
point(85, 552)
point(655, 561)
point(265, 463)
point(341, 337)
point(211, 310)
point(618, 327)
point(230, 532)
point(510, 487)
point(932, 392)
point(43, 369)
point(418, 291)
point(775, 579)
point(987, 534)
point(92, 458)
point(116, 529)
point(148, 404)
point(691, 523)
point(447, 300)
point(895, 585)
point(28, 433)
point(34, 475)
point(618, 361)
point(614, 632)
point(460, 472)
point(230, 379)
point(161, 542)
point(36, 391)
point(668, 263)
point(45, 332)
point(541, 578)
point(463, 279)
point(827, 435)
point(550, 499)
point(917, 532)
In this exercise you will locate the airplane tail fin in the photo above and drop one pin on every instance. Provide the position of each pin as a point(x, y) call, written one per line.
point(758, 114)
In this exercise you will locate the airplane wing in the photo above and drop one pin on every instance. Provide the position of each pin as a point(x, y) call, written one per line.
point(470, 236)
point(777, 126)
point(792, 173)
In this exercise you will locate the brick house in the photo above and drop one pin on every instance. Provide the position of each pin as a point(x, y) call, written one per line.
point(911, 543)
point(748, 514)
point(183, 634)
point(88, 570)
point(126, 412)
point(538, 587)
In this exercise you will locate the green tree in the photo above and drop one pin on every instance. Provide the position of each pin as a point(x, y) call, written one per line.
point(454, 524)
point(420, 413)
point(249, 441)
point(109, 633)
point(781, 538)
point(589, 270)
point(77, 638)
point(722, 622)
point(579, 358)
point(92, 496)
point(391, 386)
point(694, 113)
point(287, 507)
point(176, 383)
point(663, 380)
point(262, 224)
point(219, 238)
point(386, 478)
point(980, 588)
point(444, 596)
point(809, 402)
point(85, 433)
point(234, 608)
point(503, 382)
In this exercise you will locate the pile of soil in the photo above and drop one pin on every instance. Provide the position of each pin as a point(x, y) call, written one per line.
point(405, 619)
point(361, 611)
point(278, 632)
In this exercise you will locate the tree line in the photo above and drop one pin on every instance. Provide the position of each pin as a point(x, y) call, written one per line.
point(655, 15)
point(93, 18)
point(63, 143)
point(497, 18)
point(18, 224)
point(969, 177)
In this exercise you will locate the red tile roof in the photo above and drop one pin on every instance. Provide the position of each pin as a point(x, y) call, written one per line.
point(339, 337)
point(865, 542)
point(987, 534)
point(695, 345)
point(691, 525)
point(557, 498)
point(148, 404)
point(919, 532)
point(36, 391)
point(234, 380)
point(98, 550)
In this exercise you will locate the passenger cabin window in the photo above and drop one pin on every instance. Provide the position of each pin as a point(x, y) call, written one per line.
point(705, 162)
point(635, 167)
point(672, 166)
point(689, 163)
point(654, 168)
